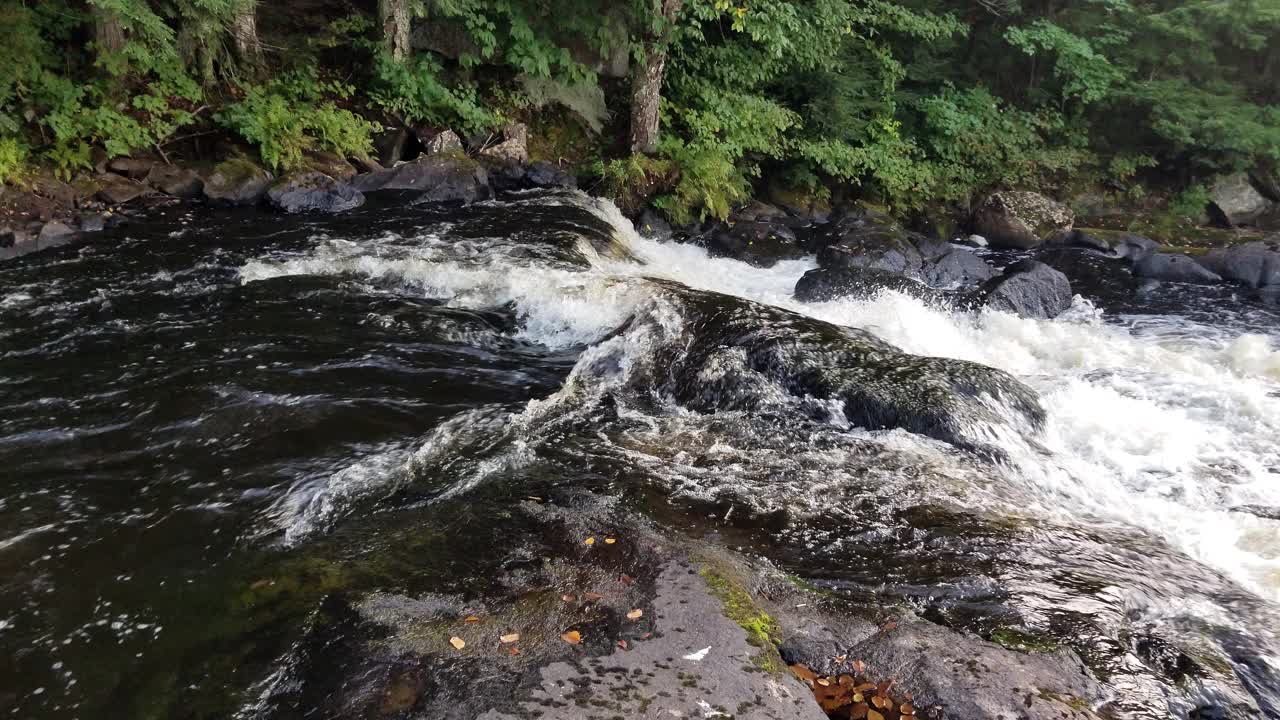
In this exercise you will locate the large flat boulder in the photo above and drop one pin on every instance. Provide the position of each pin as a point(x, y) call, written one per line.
point(312, 191)
point(443, 177)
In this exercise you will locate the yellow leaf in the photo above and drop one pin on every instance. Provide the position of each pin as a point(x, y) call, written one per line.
point(508, 639)
point(873, 715)
point(610, 541)
point(471, 618)
point(573, 637)
point(457, 642)
point(635, 614)
point(591, 541)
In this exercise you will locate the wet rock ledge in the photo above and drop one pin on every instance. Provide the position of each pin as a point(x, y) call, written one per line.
point(627, 620)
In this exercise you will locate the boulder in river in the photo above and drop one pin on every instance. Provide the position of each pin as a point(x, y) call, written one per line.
point(1021, 219)
point(862, 242)
point(760, 243)
point(1136, 248)
point(1174, 268)
point(1235, 201)
point(543, 174)
point(823, 284)
point(1027, 288)
point(444, 177)
point(312, 191)
point(237, 182)
point(1255, 264)
point(957, 268)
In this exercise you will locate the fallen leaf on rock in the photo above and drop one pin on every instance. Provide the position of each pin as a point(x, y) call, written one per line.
point(471, 619)
point(590, 541)
point(513, 651)
point(889, 626)
point(859, 711)
point(261, 584)
point(859, 666)
point(626, 579)
point(508, 639)
point(573, 637)
point(646, 636)
point(907, 709)
point(804, 673)
point(610, 541)
point(568, 598)
point(622, 644)
point(592, 597)
point(635, 614)
point(873, 715)
point(824, 682)
point(457, 642)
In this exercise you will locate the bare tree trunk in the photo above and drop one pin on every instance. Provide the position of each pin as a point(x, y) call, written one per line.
point(646, 83)
point(108, 33)
point(395, 18)
point(244, 31)
point(646, 95)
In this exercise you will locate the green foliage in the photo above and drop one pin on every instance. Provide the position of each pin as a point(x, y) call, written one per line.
point(13, 160)
point(709, 184)
point(415, 92)
point(296, 113)
point(634, 180)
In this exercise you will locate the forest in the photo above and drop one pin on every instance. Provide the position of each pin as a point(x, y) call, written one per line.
point(692, 105)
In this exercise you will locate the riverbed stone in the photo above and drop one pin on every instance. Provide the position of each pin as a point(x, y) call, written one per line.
point(1021, 219)
point(133, 168)
point(116, 190)
point(445, 177)
point(445, 141)
point(760, 243)
point(1174, 268)
point(1027, 288)
point(1254, 264)
point(514, 147)
point(176, 181)
point(312, 191)
point(237, 182)
point(862, 283)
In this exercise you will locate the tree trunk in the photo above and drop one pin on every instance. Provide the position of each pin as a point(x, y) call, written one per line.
point(244, 31)
point(108, 33)
point(646, 95)
point(646, 83)
point(395, 18)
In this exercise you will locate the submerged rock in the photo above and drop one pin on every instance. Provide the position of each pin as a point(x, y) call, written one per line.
point(445, 177)
point(741, 355)
point(1027, 288)
point(1174, 268)
point(237, 182)
point(1255, 264)
point(311, 191)
point(1021, 219)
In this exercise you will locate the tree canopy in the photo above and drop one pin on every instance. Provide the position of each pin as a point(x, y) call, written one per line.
point(913, 101)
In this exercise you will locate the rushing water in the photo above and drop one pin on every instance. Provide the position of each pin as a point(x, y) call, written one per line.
point(206, 400)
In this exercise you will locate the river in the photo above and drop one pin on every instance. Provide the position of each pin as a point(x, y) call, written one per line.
point(211, 421)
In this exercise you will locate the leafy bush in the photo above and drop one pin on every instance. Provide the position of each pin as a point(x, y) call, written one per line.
point(414, 91)
point(709, 183)
point(291, 115)
point(13, 160)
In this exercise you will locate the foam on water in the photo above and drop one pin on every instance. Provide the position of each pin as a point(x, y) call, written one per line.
point(1162, 424)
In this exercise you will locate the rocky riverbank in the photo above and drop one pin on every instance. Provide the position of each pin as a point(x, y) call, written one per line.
point(951, 260)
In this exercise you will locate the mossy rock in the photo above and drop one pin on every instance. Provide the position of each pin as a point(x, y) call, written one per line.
point(237, 182)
